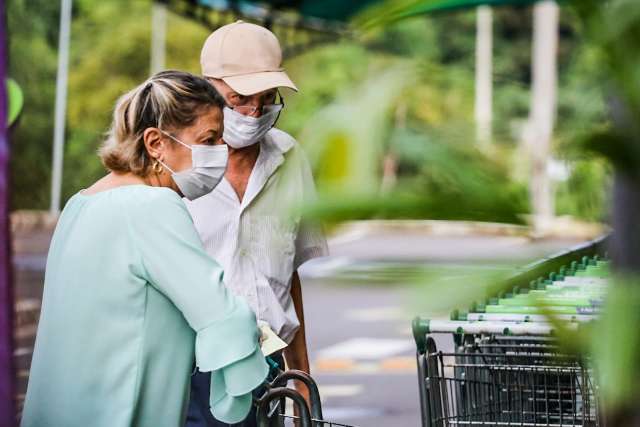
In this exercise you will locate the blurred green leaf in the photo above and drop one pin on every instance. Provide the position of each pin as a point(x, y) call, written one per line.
point(615, 344)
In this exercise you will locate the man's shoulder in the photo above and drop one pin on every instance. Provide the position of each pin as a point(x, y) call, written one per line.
point(281, 140)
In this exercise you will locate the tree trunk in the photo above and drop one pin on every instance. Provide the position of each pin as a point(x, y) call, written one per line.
point(61, 106)
point(484, 83)
point(543, 110)
point(158, 36)
point(625, 242)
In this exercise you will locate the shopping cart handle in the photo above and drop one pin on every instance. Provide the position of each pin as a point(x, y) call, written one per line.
point(278, 393)
point(420, 328)
point(314, 395)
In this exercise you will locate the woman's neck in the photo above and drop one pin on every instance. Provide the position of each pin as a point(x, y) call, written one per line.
point(114, 180)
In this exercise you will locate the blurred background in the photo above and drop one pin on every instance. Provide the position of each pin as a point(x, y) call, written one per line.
point(447, 142)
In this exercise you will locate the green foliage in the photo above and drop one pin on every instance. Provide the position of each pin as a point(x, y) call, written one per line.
point(106, 64)
point(605, 64)
point(615, 345)
point(427, 122)
point(584, 194)
point(109, 55)
point(321, 75)
point(32, 64)
point(394, 90)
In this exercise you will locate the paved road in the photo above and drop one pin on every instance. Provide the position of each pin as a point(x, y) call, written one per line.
point(359, 333)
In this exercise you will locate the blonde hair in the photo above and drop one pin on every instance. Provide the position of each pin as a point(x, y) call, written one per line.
point(169, 100)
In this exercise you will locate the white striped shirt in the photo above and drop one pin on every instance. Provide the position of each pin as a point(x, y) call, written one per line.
point(260, 242)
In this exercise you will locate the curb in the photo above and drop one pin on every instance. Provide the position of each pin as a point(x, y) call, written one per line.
point(26, 221)
point(561, 227)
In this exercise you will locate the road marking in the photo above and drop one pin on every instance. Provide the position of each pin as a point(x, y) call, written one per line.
point(323, 267)
point(399, 364)
point(334, 364)
point(405, 331)
point(347, 237)
point(23, 351)
point(339, 390)
point(366, 348)
point(394, 365)
point(351, 412)
point(28, 331)
point(378, 314)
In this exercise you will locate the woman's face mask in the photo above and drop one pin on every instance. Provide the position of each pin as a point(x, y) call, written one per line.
point(208, 165)
point(242, 131)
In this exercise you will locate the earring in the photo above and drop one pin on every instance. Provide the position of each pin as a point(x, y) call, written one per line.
point(156, 167)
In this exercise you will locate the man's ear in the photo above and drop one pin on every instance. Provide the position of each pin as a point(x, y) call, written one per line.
point(154, 142)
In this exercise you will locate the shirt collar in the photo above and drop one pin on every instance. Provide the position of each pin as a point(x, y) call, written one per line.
point(272, 150)
point(278, 140)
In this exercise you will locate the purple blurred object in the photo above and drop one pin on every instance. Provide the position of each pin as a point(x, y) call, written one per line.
point(7, 376)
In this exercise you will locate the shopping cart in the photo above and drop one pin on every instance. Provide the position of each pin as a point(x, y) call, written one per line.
point(506, 368)
point(505, 389)
point(271, 405)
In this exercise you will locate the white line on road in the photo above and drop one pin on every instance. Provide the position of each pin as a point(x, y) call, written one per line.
point(378, 314)
point(366, 348)
point(339, 390)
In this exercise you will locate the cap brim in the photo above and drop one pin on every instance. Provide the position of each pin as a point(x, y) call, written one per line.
point(248, 84)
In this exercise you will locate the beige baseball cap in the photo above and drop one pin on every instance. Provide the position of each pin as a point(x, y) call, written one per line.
point(245, 56)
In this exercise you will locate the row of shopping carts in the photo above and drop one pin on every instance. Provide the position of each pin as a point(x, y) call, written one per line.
point(506, 368)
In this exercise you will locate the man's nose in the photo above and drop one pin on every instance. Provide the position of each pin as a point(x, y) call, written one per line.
point(257, 109)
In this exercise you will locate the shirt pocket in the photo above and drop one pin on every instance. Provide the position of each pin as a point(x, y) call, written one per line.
point(272, 246)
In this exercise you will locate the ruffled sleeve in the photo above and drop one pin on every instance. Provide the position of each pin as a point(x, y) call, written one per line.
point(227, 334)
point(236, 363)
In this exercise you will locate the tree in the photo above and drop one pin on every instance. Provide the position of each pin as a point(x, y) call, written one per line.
point(33, 36)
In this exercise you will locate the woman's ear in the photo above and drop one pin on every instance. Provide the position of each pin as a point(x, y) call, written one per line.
point(154, 142)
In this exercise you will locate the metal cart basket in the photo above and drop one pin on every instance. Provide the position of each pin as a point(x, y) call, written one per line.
point(505, 368)
point(501, 385)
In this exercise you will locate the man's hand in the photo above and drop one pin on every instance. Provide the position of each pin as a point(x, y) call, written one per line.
point(296, 352)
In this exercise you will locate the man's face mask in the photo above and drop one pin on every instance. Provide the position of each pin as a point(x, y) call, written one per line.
point(242, 131)
point(208, 164)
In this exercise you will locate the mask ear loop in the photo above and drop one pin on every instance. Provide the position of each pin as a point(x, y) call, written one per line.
point(279, 112)
point(176, 140)
point(164, 164)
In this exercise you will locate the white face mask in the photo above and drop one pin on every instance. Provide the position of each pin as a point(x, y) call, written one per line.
point(208, 164)
point(242, 131)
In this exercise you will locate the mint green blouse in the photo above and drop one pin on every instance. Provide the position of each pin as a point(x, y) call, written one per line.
point(130, 298)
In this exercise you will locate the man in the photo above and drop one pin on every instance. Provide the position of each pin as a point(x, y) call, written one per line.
point(247, 223)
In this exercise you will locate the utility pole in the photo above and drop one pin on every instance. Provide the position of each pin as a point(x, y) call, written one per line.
point(61, 105)
point(484, 81)
point(158, 36)
point(543, 110)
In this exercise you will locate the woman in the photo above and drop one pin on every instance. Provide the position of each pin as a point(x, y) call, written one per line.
point(128, 287)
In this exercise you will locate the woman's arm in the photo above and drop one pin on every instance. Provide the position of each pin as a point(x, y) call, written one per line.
point(174, 262)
